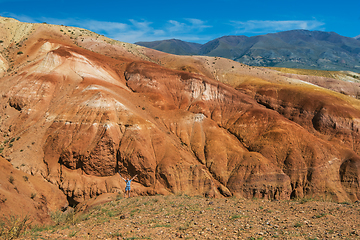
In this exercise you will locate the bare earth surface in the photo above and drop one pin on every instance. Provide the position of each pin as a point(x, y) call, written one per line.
point(184, 217)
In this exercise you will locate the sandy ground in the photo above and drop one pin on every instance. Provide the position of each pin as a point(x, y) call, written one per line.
point(184, 217)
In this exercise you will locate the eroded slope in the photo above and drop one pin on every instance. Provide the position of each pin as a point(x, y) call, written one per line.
point(82, 108)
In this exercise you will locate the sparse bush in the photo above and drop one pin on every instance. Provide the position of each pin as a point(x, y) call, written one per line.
point(297, 225)
point(19, 52)
point(11, 179)
point(119, 196)
point(305, 200)
point(72, 234)
point(1, 41)
point(25, 178)
point(320, 215)
point(33, 195)
point(161, 225)
point(68, 217)
point(58, 217)
point(13, 227)
point(185, 227)
point(233, 217)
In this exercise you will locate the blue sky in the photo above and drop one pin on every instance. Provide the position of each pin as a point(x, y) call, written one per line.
point(189, 20)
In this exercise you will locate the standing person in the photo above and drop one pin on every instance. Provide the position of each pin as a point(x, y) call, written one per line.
point(128, 182)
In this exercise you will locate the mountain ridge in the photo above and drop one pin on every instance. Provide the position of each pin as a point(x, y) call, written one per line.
point(294, 48)
point(175, 46)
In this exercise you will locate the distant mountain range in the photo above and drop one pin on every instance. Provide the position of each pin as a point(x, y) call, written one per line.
point(294, 49)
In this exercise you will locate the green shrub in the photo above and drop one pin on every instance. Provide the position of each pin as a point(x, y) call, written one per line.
point(11, 179)
point(297, 225)
point(72, 234)
point(68, 217)
point(233, 217)
point(320, 215)
point(33, 195)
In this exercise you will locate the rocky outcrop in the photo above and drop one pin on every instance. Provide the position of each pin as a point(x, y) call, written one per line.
point(3, 65)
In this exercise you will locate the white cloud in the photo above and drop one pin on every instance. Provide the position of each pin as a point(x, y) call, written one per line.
point(143, 30)
point(191, 25)
point(20, 17)
point(176, 26)
point(197, 23)
point(188, 29)
point(258, 26)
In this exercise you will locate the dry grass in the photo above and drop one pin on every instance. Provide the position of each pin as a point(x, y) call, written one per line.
point(310, 72)
point(13, 227)
point(173, 217)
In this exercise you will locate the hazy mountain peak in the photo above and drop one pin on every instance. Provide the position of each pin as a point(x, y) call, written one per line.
point(173, 46)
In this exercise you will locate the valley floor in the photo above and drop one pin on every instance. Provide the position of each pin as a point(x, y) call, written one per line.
point(185, 217)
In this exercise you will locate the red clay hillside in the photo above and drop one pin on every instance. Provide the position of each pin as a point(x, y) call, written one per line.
point(77, 107)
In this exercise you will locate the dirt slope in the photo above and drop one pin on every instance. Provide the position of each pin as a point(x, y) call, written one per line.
point(24, 195)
